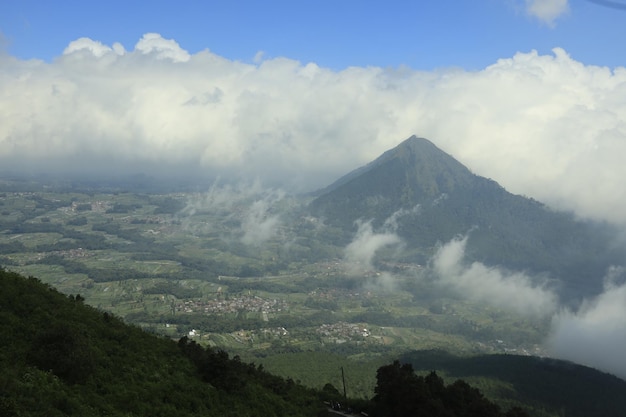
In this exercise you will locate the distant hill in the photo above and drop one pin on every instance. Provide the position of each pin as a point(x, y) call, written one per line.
point(434, 198)
point(539, 383)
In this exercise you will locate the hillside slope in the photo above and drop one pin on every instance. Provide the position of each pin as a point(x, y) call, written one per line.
point(61, 357)
point(539, 383)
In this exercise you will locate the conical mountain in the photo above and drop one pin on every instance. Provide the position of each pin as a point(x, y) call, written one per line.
point(412, 172)
point(427, 197)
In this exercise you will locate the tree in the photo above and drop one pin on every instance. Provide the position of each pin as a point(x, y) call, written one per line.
point(400, 392)
point(62, 350)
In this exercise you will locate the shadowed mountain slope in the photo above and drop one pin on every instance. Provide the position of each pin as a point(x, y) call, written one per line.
point(427, 198)
point(409, 173)
point(540, 383)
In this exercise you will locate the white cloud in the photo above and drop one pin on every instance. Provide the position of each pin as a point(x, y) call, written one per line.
point(224, 199)
point(162, 48)
point(96, 48)
point(595, 335)
point(391, 223)
point(545, 126)
point(258, 57)
point(513, 291)
point(261, 223)
point(251, 205)
point(360, 252)
point(547, 10)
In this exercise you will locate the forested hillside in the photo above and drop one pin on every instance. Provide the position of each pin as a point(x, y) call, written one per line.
point(544, 385)
point(61, 357)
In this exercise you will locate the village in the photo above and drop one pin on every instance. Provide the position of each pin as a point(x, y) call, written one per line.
point(245, 303)
point(342, 332)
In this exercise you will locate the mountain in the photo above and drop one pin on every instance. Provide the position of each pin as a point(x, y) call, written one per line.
point(427, 197)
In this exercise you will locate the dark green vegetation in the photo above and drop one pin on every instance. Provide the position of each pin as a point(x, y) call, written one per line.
point(541, 384)
point(399, 392)
point(61, 357)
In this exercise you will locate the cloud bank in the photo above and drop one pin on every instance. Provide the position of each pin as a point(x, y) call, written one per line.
point(545, 126)
point(595, 335)
point(360, 252)
point(513, 291)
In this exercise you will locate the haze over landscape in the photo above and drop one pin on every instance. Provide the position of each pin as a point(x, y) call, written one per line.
point(262, 101)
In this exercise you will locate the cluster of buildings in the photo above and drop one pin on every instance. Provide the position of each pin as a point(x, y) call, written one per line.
point(342, 331)
point(96, 206)
point(250, 303)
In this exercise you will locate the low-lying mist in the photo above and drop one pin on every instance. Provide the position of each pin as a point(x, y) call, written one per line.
point(491, 285)
point(592, 334)
point(250, 210)
point(595, 334)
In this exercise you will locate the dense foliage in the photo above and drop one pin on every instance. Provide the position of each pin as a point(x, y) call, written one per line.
point(61, 357)
point(400, 392)
point(540, 383)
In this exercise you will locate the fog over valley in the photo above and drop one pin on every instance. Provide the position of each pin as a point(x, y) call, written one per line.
point(588, 332)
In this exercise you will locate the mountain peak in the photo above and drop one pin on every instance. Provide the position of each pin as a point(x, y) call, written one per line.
point(415, 167)
point(415, 141)
point(418, 150)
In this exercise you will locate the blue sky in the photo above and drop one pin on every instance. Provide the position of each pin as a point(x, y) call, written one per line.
point(334, 34)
